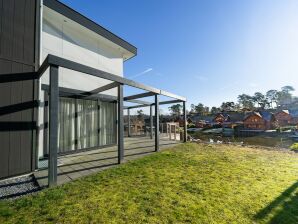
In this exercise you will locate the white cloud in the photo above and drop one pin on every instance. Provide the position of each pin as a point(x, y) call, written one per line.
point(142, 73)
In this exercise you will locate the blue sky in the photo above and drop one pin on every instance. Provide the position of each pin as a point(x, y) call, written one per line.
point(209, 51)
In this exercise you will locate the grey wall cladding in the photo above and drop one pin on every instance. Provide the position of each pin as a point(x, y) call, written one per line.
point(17, 62)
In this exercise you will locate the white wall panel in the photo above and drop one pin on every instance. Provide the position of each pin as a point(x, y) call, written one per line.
point(67, 39)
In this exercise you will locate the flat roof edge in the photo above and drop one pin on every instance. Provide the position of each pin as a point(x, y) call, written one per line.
point(88, 23)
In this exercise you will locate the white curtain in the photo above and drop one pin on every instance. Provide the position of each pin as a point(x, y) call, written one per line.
point(108, 128)
point(94, 127)
point(87, 124)
point(66, 131)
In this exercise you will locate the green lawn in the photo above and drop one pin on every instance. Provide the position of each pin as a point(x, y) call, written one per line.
point(190, 183)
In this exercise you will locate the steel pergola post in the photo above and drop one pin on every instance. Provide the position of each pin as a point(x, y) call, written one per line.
point(185, 122)
point(120, 125)
point(151, 122)
point(156, 123)
point(53, 125)
point(128, 122)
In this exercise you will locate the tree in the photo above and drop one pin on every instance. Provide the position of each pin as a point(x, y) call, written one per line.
point(192, 108)
point(206, 110)
point(176, 109)
point(287, 89)
point(260, 100)
point(199, 108)
point(285, 96)
point(271, 96)
point(227, 106)
point(215, 110)
point(140, 114)
point(246, 101)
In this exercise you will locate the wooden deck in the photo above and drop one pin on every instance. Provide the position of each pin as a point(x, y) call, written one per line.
point(73, 166)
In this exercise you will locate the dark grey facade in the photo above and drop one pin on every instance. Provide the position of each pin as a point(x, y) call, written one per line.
point(18, 59)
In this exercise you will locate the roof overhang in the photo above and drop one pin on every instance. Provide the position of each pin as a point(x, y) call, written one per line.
point(91, 25)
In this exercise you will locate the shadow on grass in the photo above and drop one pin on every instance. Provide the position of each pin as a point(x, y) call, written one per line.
point(286, 205)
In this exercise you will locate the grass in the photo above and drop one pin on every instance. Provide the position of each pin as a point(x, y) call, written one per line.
point(294, 147)
point(190, 183)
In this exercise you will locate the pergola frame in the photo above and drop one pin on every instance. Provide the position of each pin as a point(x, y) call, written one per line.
point(53, 63)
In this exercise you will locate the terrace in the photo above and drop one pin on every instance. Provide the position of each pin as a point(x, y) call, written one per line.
point(73, 166)
point(53, 63)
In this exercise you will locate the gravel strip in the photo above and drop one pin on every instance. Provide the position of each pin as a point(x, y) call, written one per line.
point(17, 187)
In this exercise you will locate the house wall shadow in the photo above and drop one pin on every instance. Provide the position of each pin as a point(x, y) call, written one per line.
point(288, 201)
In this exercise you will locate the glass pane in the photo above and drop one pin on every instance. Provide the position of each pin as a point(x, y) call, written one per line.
point(66, 131)
point(87, 124)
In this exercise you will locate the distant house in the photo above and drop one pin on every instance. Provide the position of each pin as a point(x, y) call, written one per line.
point(234, 119)
point(294, 115)
point(220, 118)
point(137, 127)
point(201, 121)
point(283, 118)
point(229, 119)
point(263, 120)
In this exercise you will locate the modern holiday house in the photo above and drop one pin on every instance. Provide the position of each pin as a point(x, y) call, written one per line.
point(61, 86)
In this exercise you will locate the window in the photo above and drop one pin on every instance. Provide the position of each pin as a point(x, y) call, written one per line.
point(84, 124)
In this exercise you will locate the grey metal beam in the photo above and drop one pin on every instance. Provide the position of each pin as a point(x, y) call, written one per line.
point(120, 125)
point(139, 102)
point(53, 125)
point(67, 92)
point(171, 95)
point(160, 103)
point(58, 61)
point(156, 123)
point(101, 89)
point(151, 122)
point(128, 121)
point(170, 102)
point(54, 60)
point(137, 106)
point(185, 123)
point(138, 96)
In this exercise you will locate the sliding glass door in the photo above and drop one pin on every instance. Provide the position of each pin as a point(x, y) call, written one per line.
point(84, 124)
point(88, 127)
point(108, 128)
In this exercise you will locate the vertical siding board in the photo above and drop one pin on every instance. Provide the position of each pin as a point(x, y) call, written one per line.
point(29, 34)
point(1, 15)
point(18, 31)
point(4, 135)
point(26, 135)
point(14, 134)
point(17, 54)
point(27, 116)
point(7, 29)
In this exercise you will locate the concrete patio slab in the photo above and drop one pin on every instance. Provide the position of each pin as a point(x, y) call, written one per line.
point(74, 166)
